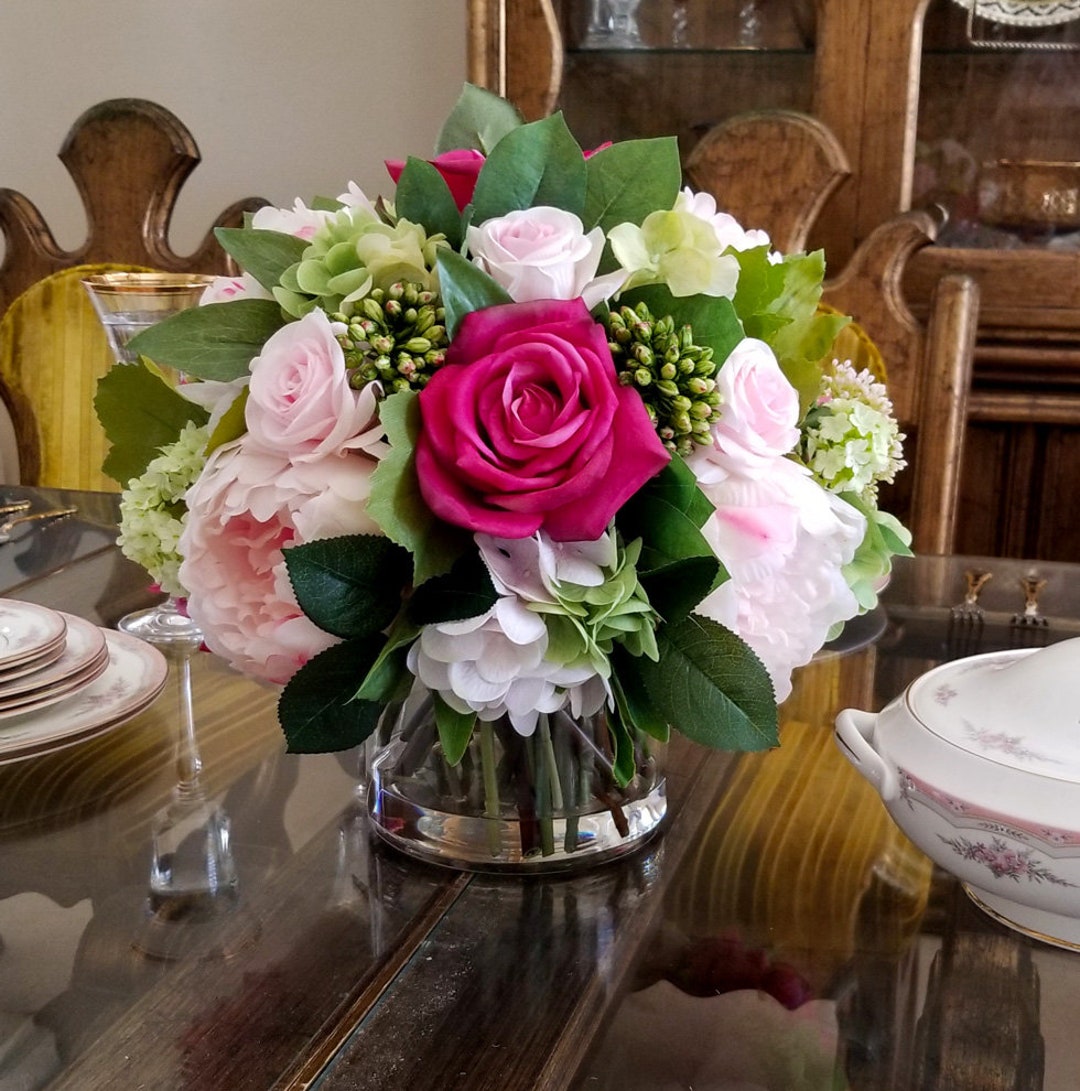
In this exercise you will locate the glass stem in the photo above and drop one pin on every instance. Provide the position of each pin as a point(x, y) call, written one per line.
point(188, 761)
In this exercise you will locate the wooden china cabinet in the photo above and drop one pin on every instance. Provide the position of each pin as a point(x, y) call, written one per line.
point(971, 111)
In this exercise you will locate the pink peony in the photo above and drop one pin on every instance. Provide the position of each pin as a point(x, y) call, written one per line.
point(526, 426)
point(300, 404)
point(243, 512)
point(459, 169)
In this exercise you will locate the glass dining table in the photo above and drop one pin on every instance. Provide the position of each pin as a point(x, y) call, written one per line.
point(779, 933)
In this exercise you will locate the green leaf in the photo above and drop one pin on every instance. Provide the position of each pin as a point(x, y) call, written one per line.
point(479, 120)
point(396, 503)
point(389, 677)
point(140, 414)
point(465, 288)
point(624, 766)
point(424, 198)
point(455, 729)
point(232, 424)
point(463, 592)
point(263, 254)
point(628, 180)
point(217, 341)
point(317, 710)
point(710, 686)
point(631, 698)
point(536, 164)
point(349, 586)
point(713, 320)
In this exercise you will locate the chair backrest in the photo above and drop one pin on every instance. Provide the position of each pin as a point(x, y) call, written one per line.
point(775, 170)
point(52, 352)
point(128, 159)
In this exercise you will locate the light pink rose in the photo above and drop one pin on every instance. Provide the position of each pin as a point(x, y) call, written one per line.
point(543, 253)
point(299, 220)
point(784, 541)
point(459, 168)
point(226, 289)
point(526, 426)
point(245, 510)
point(759, 417)
point(300, 403)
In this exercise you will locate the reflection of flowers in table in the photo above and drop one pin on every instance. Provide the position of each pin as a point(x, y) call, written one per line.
point(545, 432)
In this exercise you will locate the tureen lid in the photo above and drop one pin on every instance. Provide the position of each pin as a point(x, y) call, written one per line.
point(1018, 708)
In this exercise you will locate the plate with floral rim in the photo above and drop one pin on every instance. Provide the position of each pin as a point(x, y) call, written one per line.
point(1025, 13)
point(27, 631)
point(135, 675)
point(84, 647)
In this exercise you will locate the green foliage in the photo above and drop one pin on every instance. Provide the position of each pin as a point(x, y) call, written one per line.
point(263, 254)
point(628, 180)
point(535, 164)
point(349, 586)
point(465, 288)
point(455, 729)
point(424, 198)
point(463, 592)
point(396, 503)
point(710, 686)
point(317, 709)
point(232, 424)
point(479, 120)
point(217, 341)
point(140, 414)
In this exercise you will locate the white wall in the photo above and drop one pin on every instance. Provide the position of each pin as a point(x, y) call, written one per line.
point(285, 98)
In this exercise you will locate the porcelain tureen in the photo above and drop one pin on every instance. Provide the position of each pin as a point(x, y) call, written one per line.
point(978, 762)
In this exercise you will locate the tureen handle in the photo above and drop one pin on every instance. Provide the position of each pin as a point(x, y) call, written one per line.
point(854, 735)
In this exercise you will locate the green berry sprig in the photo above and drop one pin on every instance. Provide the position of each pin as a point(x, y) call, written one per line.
point(396, 335)
point(674, 377)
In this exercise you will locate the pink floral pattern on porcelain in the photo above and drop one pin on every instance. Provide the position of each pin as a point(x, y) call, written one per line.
point(1004, 861)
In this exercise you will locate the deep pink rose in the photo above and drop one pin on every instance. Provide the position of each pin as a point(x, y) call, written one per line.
point(526, 426)
point(459, 169)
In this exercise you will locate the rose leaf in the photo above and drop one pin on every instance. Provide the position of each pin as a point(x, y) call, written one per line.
point(390, 678)
point(631, 698)
point(263, 254)
point(317, 709)
point(714, 321)
point(396, 502)
point(465, 288)
point(536, 164)
point(140, 414)
point(479, 120)
point(630, 179)
point(709, 685)
point(349, 586)
point(424, 198)
point(455, 729)
point(217, 341)
point(463, 592)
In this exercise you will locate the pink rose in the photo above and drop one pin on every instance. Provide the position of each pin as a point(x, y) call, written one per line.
point(245, 510)
point(543, 253)
point(760, 416)
point(459, 168)
point(300, 403)
point(526, 426)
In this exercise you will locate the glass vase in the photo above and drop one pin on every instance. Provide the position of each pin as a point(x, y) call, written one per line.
point(541, 803)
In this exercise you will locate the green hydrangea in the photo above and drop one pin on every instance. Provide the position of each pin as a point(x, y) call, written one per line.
point(584, 623)
point(152, 508)
point(354, 252)
point(850, 438)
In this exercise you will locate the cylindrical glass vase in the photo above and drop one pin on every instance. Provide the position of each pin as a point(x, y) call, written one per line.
point(539, 803)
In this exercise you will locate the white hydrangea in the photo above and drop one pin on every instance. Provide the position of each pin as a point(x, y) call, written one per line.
point(850, 439)
point(152, 509)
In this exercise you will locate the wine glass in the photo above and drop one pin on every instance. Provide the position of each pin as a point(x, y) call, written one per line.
point(192, 874)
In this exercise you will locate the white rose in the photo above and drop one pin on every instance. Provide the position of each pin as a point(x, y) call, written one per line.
point(543, 253)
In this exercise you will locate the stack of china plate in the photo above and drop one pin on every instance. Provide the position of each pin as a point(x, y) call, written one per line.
point(64, 680)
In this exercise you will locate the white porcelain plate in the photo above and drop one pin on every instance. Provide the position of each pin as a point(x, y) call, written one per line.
point(1029, 13)
point(84, 648)
point(135, 675)
point(27, 631)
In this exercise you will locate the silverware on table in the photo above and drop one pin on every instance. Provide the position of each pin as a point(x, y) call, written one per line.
point(9, 525)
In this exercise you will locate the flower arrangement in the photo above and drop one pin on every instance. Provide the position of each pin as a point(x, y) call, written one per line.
point(544, 434)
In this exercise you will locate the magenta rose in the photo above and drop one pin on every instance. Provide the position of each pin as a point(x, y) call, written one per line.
point(459, 169)
point(526, 426)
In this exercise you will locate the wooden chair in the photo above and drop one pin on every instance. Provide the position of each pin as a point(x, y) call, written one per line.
point(128, 159)
point(775, 170)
